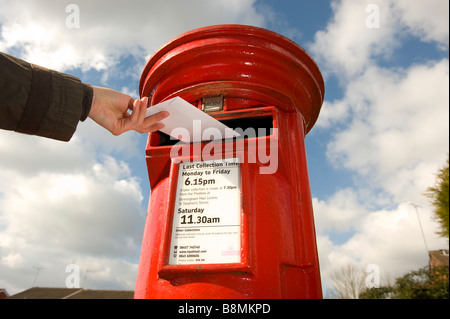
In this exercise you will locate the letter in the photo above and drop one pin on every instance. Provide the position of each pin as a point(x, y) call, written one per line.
point(229, 147)
point(199, 309)
point(73, 19)
point(251, 308)
point(181, 309)
point(196, 136)
point(212, 133)
point(250, 133)
point(73, 279)
point(208, 309)
point(373, 278)
point(373, 19)
point(264, 308)
point(272, 158)
point(196, 130)
point(225, 308)
point(175, 150)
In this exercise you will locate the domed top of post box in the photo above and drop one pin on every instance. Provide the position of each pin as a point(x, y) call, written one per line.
point(249, 66)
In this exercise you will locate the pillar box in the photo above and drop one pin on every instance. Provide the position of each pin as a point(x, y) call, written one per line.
point(232, 218)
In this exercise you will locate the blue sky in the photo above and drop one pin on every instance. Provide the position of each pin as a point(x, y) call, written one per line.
point(381, 136)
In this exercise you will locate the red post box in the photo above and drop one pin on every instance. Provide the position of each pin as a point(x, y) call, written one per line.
point(232, 218)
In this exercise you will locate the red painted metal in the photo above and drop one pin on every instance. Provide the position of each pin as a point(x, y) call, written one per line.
point(259, 74)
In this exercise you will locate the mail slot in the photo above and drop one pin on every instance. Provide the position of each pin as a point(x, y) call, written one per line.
point(232, 217)
point(245, 124)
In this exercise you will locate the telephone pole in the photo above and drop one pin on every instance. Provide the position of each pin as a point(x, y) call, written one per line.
point(420, 224)
point(38, 269)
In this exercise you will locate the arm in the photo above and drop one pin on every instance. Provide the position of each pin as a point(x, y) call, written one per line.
point(38, 101)
point(43, 102)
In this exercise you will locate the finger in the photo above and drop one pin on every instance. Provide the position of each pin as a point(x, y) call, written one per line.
point(135, 114)
point(145, 100)
point(137, 119)
point(152, 123)
point(157, 117)
point(130, 103)
point(129, 121)
point(155, 127)
point(143, 109)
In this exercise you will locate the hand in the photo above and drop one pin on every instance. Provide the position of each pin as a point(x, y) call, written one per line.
point(110, 110)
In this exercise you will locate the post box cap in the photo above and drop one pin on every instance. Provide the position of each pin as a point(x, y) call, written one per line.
point(236, 61)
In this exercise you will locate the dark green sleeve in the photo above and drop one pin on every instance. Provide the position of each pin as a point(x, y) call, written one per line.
point(38, 101)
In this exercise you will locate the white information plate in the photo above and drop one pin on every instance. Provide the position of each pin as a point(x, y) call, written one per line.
point(207, 223)
point(197, 125)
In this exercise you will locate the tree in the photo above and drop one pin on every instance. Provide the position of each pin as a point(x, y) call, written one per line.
point(348, 282)
point(384, 292)
point(417, 284)
point(439, 195)
point(423, 284)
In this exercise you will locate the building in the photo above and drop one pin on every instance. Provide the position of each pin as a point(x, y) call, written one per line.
point(72, 293)
point(3, 293)
point(438, 264)
point(438, 258)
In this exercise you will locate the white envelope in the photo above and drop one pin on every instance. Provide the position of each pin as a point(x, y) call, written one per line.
point(189, 124)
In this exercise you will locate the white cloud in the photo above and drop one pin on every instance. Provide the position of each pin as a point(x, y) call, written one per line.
point(61, 216)
point(108, 29)
point(427, 19)
point(347, 47)
point(340, 213)
point(397, 136)
point(390, 130)
point(31, 155)
point(390, 239)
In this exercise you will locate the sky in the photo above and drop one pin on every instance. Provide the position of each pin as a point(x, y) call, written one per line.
point(381, 136)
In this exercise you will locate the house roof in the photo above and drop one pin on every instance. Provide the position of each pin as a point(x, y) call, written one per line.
point(439, 257)
point(3, 293)
point(72, 293)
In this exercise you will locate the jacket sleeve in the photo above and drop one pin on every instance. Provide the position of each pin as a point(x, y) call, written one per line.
point(38, 101)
